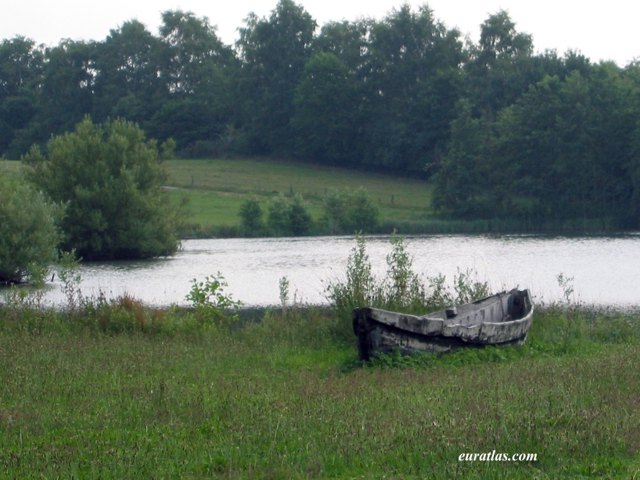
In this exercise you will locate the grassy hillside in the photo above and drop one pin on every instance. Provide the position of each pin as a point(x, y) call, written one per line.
point(215, 189)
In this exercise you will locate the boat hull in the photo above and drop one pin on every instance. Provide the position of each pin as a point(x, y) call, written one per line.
point(501, 319)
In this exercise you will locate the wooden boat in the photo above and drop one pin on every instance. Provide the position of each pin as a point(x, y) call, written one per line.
point(503, 318)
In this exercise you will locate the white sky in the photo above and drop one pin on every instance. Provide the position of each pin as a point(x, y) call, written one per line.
point(600, 30)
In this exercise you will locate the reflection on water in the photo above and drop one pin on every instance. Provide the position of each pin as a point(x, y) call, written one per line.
point(606, 270)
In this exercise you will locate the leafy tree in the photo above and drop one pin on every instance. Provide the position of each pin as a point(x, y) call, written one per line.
point(109, 177)
point(251, 216)
point(67, 86)
point(413, 80)
point(349, 211)
point(288, 216)
point(632, 77)
point(460, 183)
point(501, 66)
point(29, 236)
point(196, 69)
point(298, 217)
point(21, 64)
point(499, 39)
point(273, 52)
point(128, 80)
point(189, 122)
point(277, 216)
point(565, 145)
point(348, 41)
point(194, 56)
point(326, 120)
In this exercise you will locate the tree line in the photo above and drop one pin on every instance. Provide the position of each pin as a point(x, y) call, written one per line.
point(503, 131)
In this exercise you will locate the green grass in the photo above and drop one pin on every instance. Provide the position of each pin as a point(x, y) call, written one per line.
point(217, 188)
point(287, 398)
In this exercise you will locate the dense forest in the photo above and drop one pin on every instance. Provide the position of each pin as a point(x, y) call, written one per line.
point(501, 130)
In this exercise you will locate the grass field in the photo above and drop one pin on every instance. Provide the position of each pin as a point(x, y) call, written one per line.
point(287, 398)
point(217, 188)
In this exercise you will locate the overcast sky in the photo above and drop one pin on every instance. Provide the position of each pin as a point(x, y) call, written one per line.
point(600, 30)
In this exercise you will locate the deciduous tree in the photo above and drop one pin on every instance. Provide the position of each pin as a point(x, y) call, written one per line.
point(28, 234)
point(109, 178)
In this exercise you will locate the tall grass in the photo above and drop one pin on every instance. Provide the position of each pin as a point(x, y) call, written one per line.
point(401, 288)
point(283, 398)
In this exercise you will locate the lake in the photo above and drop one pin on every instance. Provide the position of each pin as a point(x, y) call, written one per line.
point(605, 270)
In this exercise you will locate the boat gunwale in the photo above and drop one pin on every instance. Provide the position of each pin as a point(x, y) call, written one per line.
point(447, 329)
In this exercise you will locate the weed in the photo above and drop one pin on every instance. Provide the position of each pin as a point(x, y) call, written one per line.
point(68, 272)
point(401, 288)
point(210, 301)
point(360, 288)
point(283, 287)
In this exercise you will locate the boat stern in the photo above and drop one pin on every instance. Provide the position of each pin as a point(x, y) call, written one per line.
point(364, 330)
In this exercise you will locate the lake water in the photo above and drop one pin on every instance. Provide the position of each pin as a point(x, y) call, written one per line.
point(605, 270)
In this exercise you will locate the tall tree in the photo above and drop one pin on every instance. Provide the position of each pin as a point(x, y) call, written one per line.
point(109, 177)
point(327, 119)
point(197, 70)
point(563, 152)
point(462, 183)
point(21, 64)
point(632, 78)
point(194, 55)
point(413, 84)
point(349, 42)
point(273, 52)
point(67, 89)
point(128, 80)
point(500, 66)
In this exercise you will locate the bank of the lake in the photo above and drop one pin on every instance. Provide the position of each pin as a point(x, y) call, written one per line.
point(130, 392)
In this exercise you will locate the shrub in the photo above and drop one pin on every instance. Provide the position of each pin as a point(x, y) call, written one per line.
point(360, 287)
point(251, 217)
point(109, 177)
point(298, 217)
point(401, 288)
point(277, 218)
point(210, 301)
point(349, 211)
point(28, 236)
point(288, 216)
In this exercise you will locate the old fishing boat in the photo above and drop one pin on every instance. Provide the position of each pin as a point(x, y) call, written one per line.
point(503, 318)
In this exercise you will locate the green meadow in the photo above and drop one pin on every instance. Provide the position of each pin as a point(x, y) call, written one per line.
point(122, 391)
point(214, 189)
